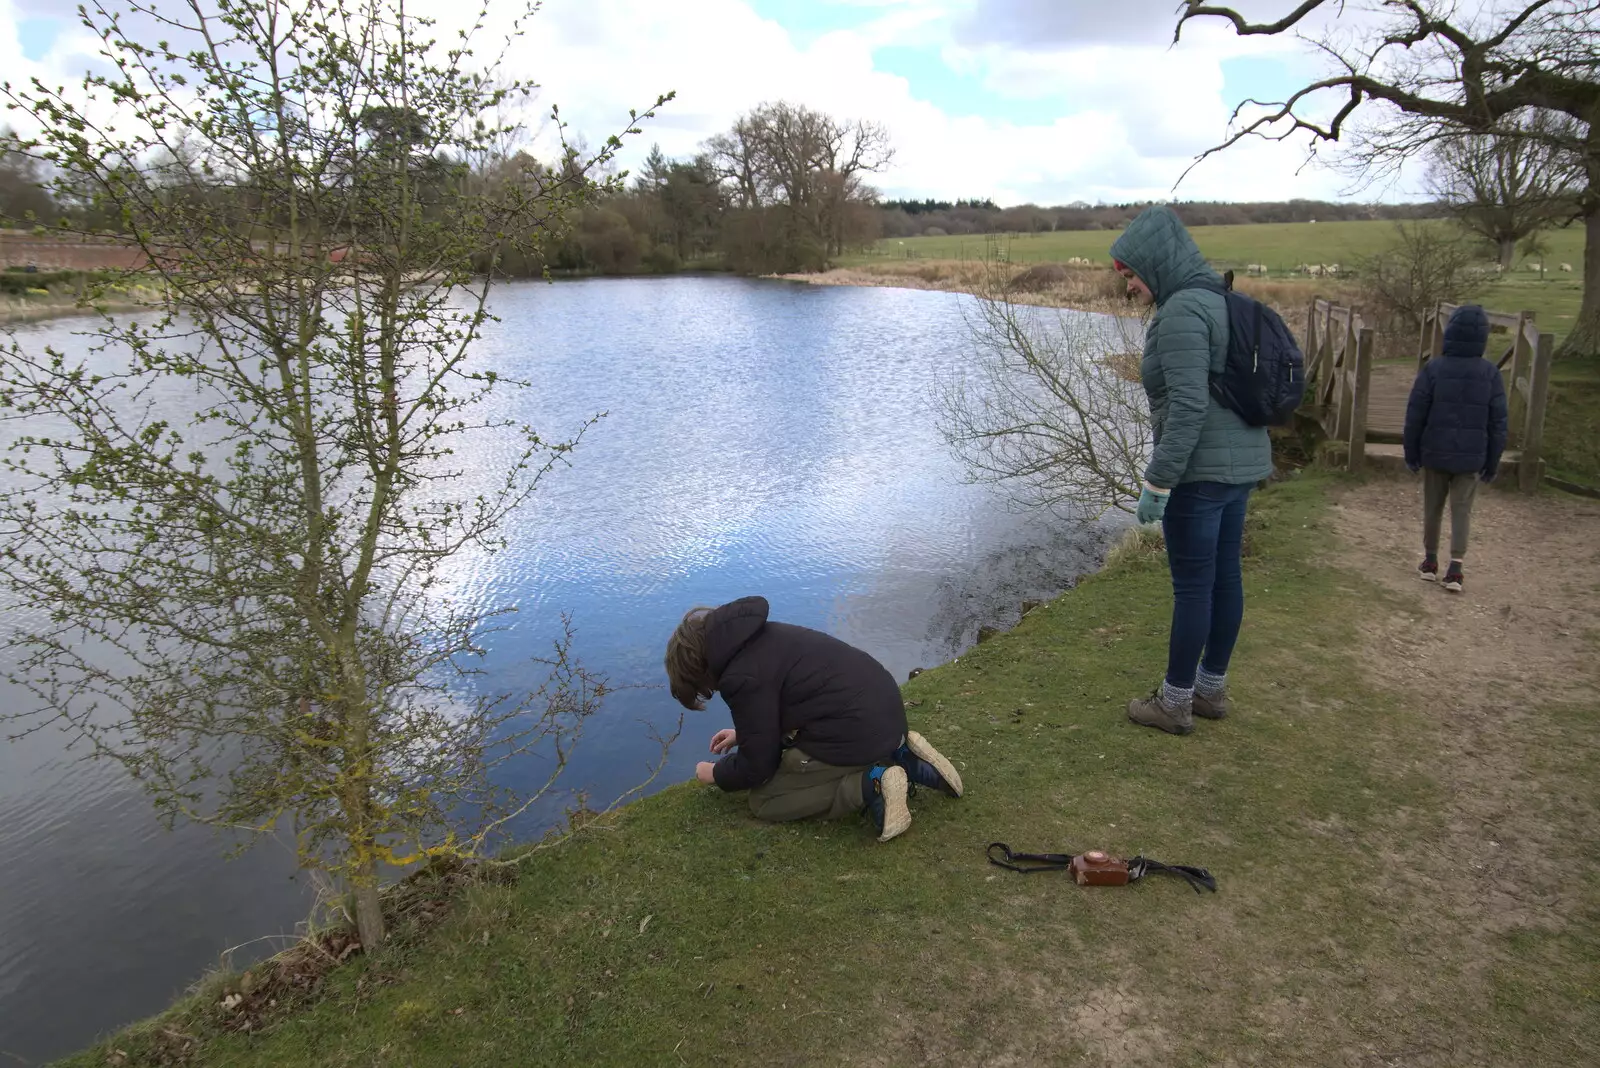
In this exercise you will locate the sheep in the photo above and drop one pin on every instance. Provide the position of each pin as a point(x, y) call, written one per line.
point(1499, 268)
point(1315, 270)
point(1535, 266)
point(1256, 268)
point(1567, 267)
point(1332, 268)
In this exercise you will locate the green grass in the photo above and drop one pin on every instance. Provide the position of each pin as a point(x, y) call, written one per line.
point(694, 935)
point(1281, 246)
point(1572, 423)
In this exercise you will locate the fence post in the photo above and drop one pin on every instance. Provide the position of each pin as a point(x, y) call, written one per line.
point(1341, 366)
point(1538, 395)
point(1362, 376)
point(1521, 360)
point(1424, 347)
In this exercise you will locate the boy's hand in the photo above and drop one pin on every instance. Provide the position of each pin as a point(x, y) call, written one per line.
point(1413, 468)
point(1487, 475)
point(706, 772)
point(724, 740)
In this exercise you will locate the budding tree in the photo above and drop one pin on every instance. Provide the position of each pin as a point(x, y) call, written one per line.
point(237, 516)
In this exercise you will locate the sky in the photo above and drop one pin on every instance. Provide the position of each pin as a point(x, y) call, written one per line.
point(1048, 101)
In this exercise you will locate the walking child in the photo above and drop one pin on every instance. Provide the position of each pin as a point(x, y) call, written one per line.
point(1455, 434)
point(819, 727)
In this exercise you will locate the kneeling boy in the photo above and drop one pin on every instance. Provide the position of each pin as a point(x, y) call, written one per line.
point(819, 727)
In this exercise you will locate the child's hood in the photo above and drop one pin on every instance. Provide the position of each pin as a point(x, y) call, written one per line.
point(730, 627)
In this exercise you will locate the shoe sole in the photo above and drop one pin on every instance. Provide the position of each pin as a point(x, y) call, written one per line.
point(896, 815)
point(1428, 576)
point(1453, 587)
point(922, 750)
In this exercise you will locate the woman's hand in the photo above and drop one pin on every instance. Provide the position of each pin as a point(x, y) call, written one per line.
point(1152, 504)
point(706, 772)
point(724, 740)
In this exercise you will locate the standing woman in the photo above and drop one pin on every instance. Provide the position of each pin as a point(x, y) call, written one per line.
point(1206, 461)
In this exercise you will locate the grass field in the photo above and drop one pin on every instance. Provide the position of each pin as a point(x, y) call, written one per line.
point(1280, 246)
point(1348, 930)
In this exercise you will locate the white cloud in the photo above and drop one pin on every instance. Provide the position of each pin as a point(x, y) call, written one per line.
point(1133, 112)
point(1133, 115)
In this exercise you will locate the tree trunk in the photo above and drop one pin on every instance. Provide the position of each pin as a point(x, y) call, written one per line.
point(369, 907)
point(1584, 340)
point(1508, 251)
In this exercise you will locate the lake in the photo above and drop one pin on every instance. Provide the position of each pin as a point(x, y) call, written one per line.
point(760, 438)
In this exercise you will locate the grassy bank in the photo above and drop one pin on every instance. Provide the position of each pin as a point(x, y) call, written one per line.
point(1344, 931)
point(32, 296)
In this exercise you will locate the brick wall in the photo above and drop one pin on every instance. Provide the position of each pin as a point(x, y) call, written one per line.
point(62, 252)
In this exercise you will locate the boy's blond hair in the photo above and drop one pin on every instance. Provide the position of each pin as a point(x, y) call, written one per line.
point(688, 671)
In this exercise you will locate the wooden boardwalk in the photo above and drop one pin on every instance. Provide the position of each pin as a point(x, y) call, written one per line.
point(1386, 403)
point(1362, 406)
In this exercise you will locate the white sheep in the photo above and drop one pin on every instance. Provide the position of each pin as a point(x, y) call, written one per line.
point(1567, 267)
point(1315, 270)
point(1256, 268)
point(1535, 266)
point(1332, 268)
point(1499, 268)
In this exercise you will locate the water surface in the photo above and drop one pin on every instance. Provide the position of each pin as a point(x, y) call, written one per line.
point(760, 438)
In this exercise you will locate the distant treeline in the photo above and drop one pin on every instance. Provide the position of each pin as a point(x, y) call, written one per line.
point(785, 189)
point(935, 218)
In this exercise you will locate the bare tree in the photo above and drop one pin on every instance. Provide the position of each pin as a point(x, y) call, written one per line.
point(234, 523)
point(806, 171)
point(1505, 186)
point(1421, 266)
point(1051, 410)
point(1428, 75)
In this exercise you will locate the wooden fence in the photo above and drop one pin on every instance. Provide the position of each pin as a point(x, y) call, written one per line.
point(1526, 363)
point(1338, 350)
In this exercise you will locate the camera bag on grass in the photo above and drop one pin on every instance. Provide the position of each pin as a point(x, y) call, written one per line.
point(1096, 868)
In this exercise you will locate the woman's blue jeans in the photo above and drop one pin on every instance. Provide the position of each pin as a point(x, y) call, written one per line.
point(1204, 530)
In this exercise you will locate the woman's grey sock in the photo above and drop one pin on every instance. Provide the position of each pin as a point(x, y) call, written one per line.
point(1176, 697)
point(1209, 685)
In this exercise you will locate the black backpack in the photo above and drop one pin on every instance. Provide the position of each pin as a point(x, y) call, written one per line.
point(1264, 376)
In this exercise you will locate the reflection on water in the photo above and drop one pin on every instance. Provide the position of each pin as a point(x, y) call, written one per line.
point(759, 438)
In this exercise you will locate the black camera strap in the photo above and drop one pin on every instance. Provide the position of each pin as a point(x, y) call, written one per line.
point(1138, 867)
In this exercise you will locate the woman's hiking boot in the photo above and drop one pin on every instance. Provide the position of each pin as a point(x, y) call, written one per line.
point(1217, 706)
point(884, 791)
point(1152, 712)
point(926, 766)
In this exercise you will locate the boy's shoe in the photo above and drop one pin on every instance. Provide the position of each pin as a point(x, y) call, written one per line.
point(1428, 570)
point(1150, 712)
point(1216, 707)
point(886, 801)
point(926, 766)
point(1453, 579)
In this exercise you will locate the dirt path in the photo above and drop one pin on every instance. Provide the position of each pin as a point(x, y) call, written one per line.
point(1494, 666)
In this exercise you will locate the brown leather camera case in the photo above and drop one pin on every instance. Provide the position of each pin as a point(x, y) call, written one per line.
point(1095, 868)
